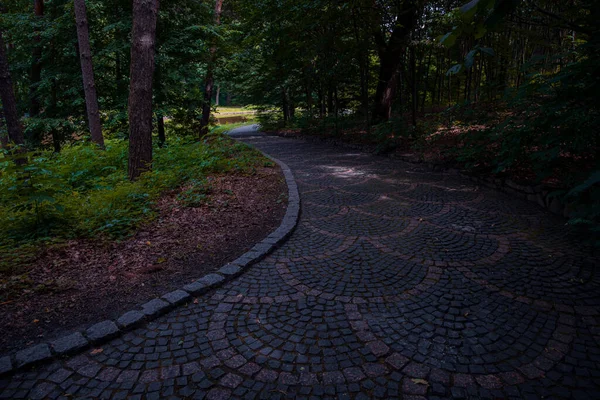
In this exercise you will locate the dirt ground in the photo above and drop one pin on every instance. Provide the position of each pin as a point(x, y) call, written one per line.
point(82, 282)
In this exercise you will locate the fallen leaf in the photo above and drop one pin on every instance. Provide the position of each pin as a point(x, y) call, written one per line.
point(419, 381)
point(35, 321)
point(196, 301)
point(96, 351)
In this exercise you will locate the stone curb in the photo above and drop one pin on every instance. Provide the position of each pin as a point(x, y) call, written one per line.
point(538, 194)
point(104, 331)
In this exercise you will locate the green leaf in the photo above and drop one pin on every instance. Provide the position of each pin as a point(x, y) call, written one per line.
point(454, 70)
point(470, 58)
point(594, 179)
point(469, 6)
point(448, 39)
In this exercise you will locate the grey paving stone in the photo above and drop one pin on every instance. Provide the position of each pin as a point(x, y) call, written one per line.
point(155, 307)
point(230, 270)
point(102, 331)
point(177, 297)
point(211, 279)
point(32, 355)
point(5, 364)
point(69, 344)
point(130, 319)
point(196, 288)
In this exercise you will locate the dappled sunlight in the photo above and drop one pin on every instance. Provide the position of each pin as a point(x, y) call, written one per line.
point(343, 172)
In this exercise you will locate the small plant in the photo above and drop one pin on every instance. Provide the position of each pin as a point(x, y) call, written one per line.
point(196, 193)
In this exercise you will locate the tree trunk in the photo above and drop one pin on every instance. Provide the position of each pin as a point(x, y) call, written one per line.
point(285, 106)
point(56, 137)
point(390, 56)
point(330, 100)
point(217, 95)
point(145, 14)
point(209, 81)
point(87, 73)
point(9, 103)
point(36, 64)
point(414, 92)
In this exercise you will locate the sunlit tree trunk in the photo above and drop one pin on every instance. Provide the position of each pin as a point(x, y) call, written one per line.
point(87, 73)
point(145, 14)
point(390, 56)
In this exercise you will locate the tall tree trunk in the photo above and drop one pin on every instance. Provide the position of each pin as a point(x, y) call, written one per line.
point(160, 119)
point(56, 137)
point(330, 99)
point(414, 92)
point(209, 81)
point(390, 56)
point(36, 64)
point(285, 106)
point(118, 74)
point(3, 136)
point(217, 95)
point(145, 14)
point(9, 103)
point(87, 73)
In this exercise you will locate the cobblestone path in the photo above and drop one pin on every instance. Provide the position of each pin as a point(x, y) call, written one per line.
point(397, 283)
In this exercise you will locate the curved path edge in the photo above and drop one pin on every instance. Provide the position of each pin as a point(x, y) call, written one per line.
point(104, 331)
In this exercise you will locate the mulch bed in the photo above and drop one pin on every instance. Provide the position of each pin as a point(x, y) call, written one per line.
point(86, 281)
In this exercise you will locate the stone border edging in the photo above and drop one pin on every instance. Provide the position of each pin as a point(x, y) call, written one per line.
point(536, 194)
point(106, 330)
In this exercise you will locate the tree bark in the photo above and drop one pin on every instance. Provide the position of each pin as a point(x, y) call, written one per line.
point(161, 130)
point(390, 56)
point(87, 73)
point(9, 103)
point(209, 81)
point(145, 14)
point(217, 95)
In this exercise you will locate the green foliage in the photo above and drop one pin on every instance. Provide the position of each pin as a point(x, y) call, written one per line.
point(195, 193)
point(84, 191)
point(390, 134)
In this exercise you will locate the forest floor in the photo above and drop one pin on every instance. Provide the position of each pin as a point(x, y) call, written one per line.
point(85, 281)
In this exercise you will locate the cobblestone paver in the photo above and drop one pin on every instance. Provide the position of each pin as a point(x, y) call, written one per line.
point(397, 283)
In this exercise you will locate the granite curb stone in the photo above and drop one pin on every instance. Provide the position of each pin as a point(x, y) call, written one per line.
point(69, 344)
point(130, 319)
point(177, 297)
point(30, 355)
point(155, 307)
point(102, 331)
point(5, 364)
point(106, 330)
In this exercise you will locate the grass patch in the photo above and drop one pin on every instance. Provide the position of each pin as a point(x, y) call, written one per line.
point(232, 110)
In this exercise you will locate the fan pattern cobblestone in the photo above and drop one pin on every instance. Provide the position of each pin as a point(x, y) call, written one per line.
point(398, 282)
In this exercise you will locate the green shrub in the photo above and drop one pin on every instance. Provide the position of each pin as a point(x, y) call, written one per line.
point(84, 191)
